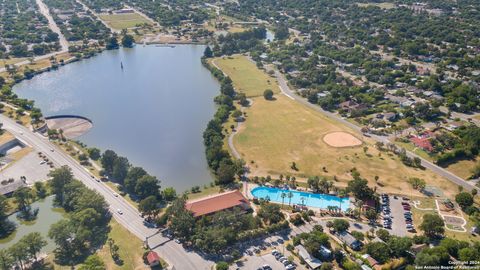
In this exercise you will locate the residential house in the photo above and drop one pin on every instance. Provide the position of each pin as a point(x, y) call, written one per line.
point(312, 262)
point(325, 252)
point(370, 260)
point(349, 240)
point(423, 140)
point(217, 203)
point(351, 106)
point(153, 259)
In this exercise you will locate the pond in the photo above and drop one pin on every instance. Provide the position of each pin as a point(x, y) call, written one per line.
point(153, 111)
point(47, 216)
point(321, 201)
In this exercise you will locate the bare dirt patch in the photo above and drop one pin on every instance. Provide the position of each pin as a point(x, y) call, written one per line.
point(341, 139)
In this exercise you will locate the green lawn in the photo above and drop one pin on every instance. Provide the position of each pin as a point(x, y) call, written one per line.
point(123, 21)
point(245, 76)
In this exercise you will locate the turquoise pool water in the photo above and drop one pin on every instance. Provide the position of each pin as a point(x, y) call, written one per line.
point(309, 199)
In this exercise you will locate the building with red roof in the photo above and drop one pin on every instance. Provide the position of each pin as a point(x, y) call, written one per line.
point(153, 259)
point(218, 202)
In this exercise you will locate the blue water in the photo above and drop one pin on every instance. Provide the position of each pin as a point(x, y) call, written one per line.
point(310, 199)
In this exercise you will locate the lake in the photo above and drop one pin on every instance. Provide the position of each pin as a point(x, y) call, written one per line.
point(153, 112)
point(47, 215)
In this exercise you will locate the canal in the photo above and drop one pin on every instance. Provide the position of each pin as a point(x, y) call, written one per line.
point(153, 111)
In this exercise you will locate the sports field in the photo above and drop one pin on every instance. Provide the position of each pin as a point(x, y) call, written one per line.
point(124, 21)
point(277, 133)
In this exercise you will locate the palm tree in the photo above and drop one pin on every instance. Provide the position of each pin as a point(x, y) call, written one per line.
point(290, 195)
point(283, 195)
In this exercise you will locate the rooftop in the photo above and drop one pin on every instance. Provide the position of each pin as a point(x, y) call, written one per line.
point(215, 203)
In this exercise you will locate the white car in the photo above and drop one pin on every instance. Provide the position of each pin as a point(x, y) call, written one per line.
point(42, 162)
point(119, 211)
point(115, 194)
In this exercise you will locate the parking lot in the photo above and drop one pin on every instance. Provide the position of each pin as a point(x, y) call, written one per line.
point(254, 262)
point(28, 166)
point(398, 221)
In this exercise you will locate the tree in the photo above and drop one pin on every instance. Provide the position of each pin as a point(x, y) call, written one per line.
point(268, 94)
point(108, 159)
point(432, 225)
point(371, 214)
point(383, 234)
point(17, 251)
point(182, 222)
point(341, 225)
point(270, 213)
point(399, 245)
point(169, 194)
point(94, 153)
point(208, 52)
point(146, 186)
point(93, 262)
point(120, 169)
point(379, 251)
point(225, 173)
point(432, 256)
point(464, 199)
point(133, 175)
point(68, 244)
point(34, 243)
point(221, 265)
point(128, 41)
point(468, 254)
point(23, 198)
point(111, 43)
point(59, 179)
point(417, 183)
point(148, 206)
point(6, 226)
point(6, 260)
point(359, 188)
point(40, 190)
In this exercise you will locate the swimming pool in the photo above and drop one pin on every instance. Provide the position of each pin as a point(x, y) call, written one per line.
point(309, 199)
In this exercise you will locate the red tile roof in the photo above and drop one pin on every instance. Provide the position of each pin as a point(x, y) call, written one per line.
point(423, 143)
point(217, 203)
point(152, 257)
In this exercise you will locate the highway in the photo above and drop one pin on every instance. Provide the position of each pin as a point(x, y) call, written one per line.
point(173, 253)
point(427, 164)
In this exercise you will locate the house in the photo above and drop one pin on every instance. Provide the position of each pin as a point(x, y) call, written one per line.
point(370, 260)
point(453, 125)
point(325, 252)
point(312, 262)
point(349, 240)
point(217, 203)
point(153, 259)
point(423, 140)
point(7, 187)
point(351, 105)
point(390, 116)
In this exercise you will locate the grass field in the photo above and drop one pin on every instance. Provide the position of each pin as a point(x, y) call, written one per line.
point(277, 133)
point(131, 249)
point(384, 5)
point(123, 21)
point(245, 75)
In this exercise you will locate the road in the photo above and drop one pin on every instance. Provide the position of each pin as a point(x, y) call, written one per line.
point(53, 25)
point(425, 163)
point(172, 252)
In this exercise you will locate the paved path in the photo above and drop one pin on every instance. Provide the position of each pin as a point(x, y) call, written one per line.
point(427, 164)
point(173, 253)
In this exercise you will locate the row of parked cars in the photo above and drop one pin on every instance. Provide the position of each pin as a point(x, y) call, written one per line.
point(387, 218)
point(407, 214)
point(281, 258)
